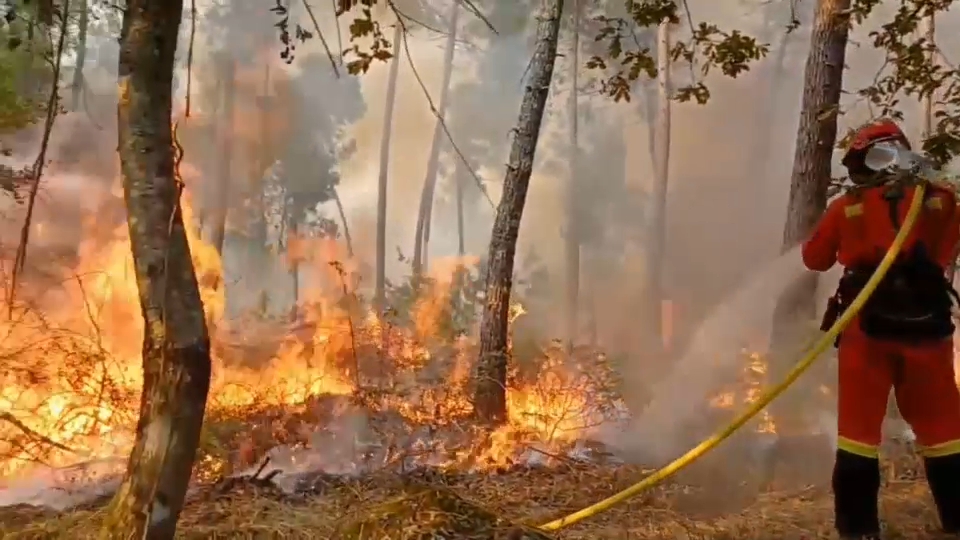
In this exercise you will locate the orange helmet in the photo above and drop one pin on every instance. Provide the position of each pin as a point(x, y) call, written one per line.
point(869, 134)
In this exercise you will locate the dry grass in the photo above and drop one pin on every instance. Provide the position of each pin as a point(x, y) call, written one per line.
point(432, 505)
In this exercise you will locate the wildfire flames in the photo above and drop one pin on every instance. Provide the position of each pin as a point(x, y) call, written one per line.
point(70, 390)
point(339, 387)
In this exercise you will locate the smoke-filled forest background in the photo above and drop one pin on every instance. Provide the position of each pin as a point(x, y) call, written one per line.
point(340, 212)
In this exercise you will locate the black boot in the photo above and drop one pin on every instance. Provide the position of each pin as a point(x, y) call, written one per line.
point(856, 492)
point(943, 476)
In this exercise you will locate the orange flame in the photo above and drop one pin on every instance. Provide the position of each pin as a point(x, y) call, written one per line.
point(73, 391)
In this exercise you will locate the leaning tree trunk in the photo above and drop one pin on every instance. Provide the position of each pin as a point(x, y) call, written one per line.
point(176, 346)
point(218, 214)
point(816, 138)
point(658, 218)
point(421, 241)
point(76, 87)
point(381, 277)
point(490, 399)
point(572, 226)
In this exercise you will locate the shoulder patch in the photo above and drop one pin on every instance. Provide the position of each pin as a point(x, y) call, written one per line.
point(853, 210)
point(935, 203)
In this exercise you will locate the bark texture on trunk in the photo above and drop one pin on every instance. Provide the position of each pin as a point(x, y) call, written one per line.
point(221, 199)
point(381, 270)
point(817, 133)
point(422, 239)
point(491, 373)
point(76, 87)
point(176, 346)
point(572, 226)
point(658, 217)
point(816, 138)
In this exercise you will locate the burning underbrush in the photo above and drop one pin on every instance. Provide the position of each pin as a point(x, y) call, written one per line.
point(337, 395)
point(404, 419)
point(333, 389)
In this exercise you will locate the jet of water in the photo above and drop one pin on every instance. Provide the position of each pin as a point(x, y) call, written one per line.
point(714, 358)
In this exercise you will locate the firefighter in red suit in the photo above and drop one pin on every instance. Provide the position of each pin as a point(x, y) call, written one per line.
point(902, 339)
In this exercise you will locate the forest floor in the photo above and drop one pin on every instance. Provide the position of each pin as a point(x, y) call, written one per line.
point(432, 505)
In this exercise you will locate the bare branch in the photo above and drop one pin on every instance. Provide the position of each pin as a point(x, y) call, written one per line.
point(339, 34)
point(323, 40)
point(52, 106)
point(9, 418)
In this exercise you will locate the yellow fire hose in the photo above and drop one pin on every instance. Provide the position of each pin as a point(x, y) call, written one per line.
point(822, 344)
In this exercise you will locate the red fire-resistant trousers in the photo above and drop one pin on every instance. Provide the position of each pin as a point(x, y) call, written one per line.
point(923, 380)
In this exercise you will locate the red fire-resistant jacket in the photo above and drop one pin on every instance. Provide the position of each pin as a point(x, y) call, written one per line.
point(857, 228)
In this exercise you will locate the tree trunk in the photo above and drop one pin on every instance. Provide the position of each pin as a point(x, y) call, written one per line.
point(45, 11)
point(816, 138)
point(381, 277)
point(421, 240)
point(211, 161)
point(649, 102)
point(491, 374)
point(817, 133)
point(292, 228)
point(176, 346)
point(658, 218)
point(76, 87)
point(264, 159)
point(260, 264)
point(343, 220)
point(766, 131)
point(222, 198)
point(459, 177)
point(572, 226)
point(930, 33)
